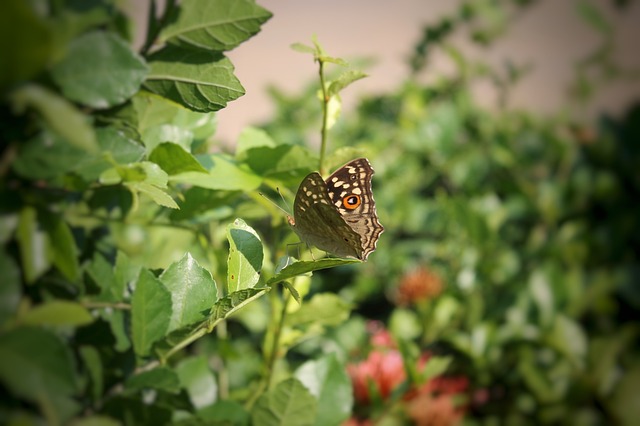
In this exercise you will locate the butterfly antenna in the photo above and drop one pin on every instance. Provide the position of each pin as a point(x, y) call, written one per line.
point(281, 196)
point(274, 203)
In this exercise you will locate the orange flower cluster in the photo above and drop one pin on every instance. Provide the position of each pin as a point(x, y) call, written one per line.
point(431, 404)
point(420, 284)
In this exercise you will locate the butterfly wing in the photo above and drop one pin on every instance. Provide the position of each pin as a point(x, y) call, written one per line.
point(318, 222)
point(349, 189)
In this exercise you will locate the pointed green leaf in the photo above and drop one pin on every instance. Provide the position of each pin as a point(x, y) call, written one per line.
point(62, 117)
point(161, 120)
point(224, 174)
point(252, 137)
point(11, 289)
point(173, 159)
point(33, 244)
point(282, 162)
point(150, 312)
point(303, 48)
point(99, 70)
point(289, 403)
point(235, 301)
point(436, 366)
point(158, 195)
point(329, 383)
point(323, 308)
point(199, 80)
point(160, 378)
point(304, 267)
point(113, 145)
point(215, 24)
point(344, 80)
point(245, 256)
point(193, 291)
point(101, 272)
point(37, 366)
point(199, 381)
point(27, 42)
point(57, 313)
point(62, 250)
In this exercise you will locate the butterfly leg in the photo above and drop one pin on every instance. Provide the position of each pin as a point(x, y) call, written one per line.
point(297, 245)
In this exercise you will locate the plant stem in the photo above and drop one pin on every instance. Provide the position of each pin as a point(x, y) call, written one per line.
point(198, 333)
point(325, 117)
point(155, 25)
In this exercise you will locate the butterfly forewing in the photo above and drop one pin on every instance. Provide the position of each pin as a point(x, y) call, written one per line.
point(354, 178)
point(338, 215)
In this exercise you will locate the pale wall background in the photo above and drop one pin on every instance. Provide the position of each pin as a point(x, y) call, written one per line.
point(550, 35)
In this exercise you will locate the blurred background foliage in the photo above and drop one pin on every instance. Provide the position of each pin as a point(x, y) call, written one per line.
point(504, 289)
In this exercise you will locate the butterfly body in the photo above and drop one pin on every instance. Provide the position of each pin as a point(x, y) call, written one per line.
point(338, 215)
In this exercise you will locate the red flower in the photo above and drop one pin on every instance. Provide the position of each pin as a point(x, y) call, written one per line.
point(384, 370)
point(420, 284)
point(433, 410)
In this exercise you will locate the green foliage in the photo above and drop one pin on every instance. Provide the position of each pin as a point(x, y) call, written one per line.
point(147, 281)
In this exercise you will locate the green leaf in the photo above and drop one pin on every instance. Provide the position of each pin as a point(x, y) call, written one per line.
point(113, 145)
point(99, 70)
point(304, 267)
point(225, 412)
point(570, 339)
point(37, 366)
point(33, 245)
point(161, 120)
point(202, 81)
point(62, 117)
point(119, 324)
point(61, 246)
point(193, 292)
point(435, 366)
point(252, 137)
point(542, 295)
point(329, 383)
point(160, 378)
point(594, 17)
point(626, 397)
point(137, 412)
point(59, 313)
point(293, 291)
point(158, 195)
point(46, 156)
point(289, 163)
point(103, 276)
point(95, 421)
point(173, 159)
point(10, 290)
point(224, 175)
point(27, 42)
point(289, 403)
point(245, 256)
point(303, 48)
point(199, 381)
point(344, 80)
point(323, 308)
point(235, 301)
point(215, 24)
point(150, 312)
point(92, 364)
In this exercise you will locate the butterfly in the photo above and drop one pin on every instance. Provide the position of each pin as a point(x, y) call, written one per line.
point(338, 215)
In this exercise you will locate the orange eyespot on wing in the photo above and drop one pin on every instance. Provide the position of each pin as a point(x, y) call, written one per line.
point(351, 202)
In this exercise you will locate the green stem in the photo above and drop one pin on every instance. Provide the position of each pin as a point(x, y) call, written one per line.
point(103, 305)
point(325, 117)
point(198, 333)
point(154, 26)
